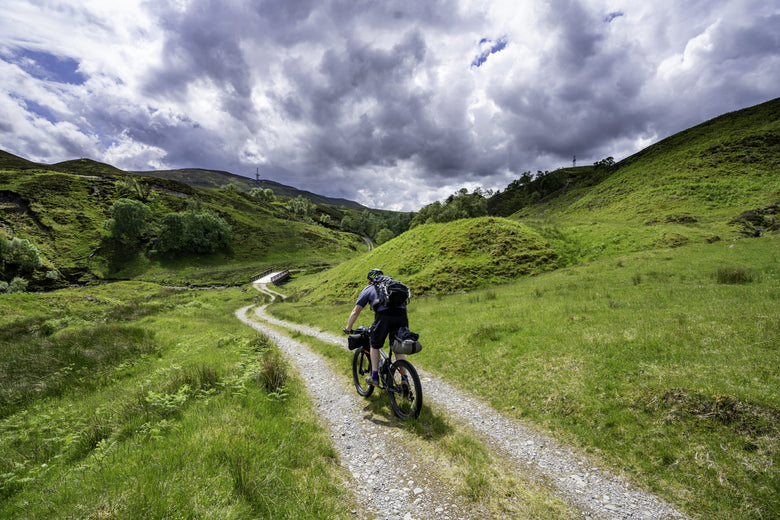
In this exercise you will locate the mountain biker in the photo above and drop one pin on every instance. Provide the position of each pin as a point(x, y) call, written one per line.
point(387, 321)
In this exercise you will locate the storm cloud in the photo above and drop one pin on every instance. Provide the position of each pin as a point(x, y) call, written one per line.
point(392, 104)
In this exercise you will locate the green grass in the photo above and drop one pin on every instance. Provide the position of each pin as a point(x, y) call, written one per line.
point(707, 174)
point(439, 258)
point(62, 213)
point(651, 361)
point(161, 409)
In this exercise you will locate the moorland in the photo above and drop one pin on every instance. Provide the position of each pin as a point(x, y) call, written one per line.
point(630, 308)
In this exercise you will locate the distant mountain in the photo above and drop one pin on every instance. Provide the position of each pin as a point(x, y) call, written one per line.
point(198, 177)
point(216, 179)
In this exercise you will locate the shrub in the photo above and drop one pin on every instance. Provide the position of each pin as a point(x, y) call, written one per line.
point(21, 254)
point(18, 284)
point(266, 194)
point(200, 232)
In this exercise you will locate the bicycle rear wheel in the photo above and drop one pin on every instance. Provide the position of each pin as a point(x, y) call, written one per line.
point(361, 367)
point(405, 390)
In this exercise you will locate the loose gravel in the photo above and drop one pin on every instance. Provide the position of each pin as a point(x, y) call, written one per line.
point(397, 491)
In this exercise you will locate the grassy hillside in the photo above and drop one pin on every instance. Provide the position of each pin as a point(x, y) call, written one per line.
point(717, 181)
point(662, 363)
point(62, 213)
point(649, 334)
point(707, 175)
point(439, 258)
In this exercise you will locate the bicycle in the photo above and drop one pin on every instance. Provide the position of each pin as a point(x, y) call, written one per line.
point(398, 378)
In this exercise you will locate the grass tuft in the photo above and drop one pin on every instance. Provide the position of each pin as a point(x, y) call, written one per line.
point(734, 275)
point(274, 373)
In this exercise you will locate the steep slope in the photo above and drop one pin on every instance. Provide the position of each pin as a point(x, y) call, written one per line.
point(440, 258)
point(708, 174)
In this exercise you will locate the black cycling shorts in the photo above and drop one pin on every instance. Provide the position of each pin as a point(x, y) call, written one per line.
point(387, 323)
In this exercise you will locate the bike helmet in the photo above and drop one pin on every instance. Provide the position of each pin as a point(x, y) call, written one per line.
point(374, 272)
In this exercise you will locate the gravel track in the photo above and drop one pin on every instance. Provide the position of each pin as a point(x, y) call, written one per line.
point(405, 492)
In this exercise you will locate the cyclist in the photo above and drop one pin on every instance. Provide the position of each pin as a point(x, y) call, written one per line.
point(387, 321)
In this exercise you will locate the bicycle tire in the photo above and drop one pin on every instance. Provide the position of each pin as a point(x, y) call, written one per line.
point(361, 367)
point(406, 396)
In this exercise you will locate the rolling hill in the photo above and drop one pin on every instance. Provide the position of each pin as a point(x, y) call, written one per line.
point(441, 258)
point(61, 209)
point(710, 174)
point(716, 181)
point(216, 179)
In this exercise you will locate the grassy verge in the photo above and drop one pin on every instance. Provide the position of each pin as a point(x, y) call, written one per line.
point(662, 363)
point(133, 401)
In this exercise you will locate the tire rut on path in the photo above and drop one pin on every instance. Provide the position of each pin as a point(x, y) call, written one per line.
point(592, 490)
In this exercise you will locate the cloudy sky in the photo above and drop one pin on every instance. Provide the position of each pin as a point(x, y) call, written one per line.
point(394, 104)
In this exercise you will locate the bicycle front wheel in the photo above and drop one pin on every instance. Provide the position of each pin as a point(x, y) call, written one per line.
point(361, 367)
point(405, 390)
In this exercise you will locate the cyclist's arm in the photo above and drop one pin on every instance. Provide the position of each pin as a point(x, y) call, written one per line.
point(353, 316)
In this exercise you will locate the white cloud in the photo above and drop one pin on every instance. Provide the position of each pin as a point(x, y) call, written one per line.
point(332, 96)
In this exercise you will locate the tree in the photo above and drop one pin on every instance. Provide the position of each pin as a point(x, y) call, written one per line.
point(199, 232)
point(457, 206)
point(302, 206)
point(266, 194)
point(604, 164)
point(383, 236)
point(129, 220)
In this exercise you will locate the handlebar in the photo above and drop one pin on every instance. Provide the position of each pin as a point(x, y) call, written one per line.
point(359, 330)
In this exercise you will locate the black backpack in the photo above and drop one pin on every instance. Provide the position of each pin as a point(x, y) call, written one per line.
point(392, 293)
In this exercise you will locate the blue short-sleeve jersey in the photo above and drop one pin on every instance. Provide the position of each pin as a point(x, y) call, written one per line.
point(370, 296)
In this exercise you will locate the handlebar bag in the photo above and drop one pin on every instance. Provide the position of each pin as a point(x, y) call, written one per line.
point(356, 341)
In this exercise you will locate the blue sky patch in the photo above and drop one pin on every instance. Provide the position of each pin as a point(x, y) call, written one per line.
point(40, 110)
point(488, 47)
point(49, 67)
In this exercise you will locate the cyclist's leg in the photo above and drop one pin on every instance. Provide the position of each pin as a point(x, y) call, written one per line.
point(379, 331)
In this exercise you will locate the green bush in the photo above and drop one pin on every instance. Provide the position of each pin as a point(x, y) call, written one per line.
point(266, 194)
point(200, 232)
point(129, 220)
point(20, 254)
point(17, 285)
point(383, 236)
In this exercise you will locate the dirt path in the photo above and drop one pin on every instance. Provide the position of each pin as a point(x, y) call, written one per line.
point(413, 495)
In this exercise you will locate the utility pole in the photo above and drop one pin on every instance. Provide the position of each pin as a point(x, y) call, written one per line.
point(257, 177)
point(574, 162)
